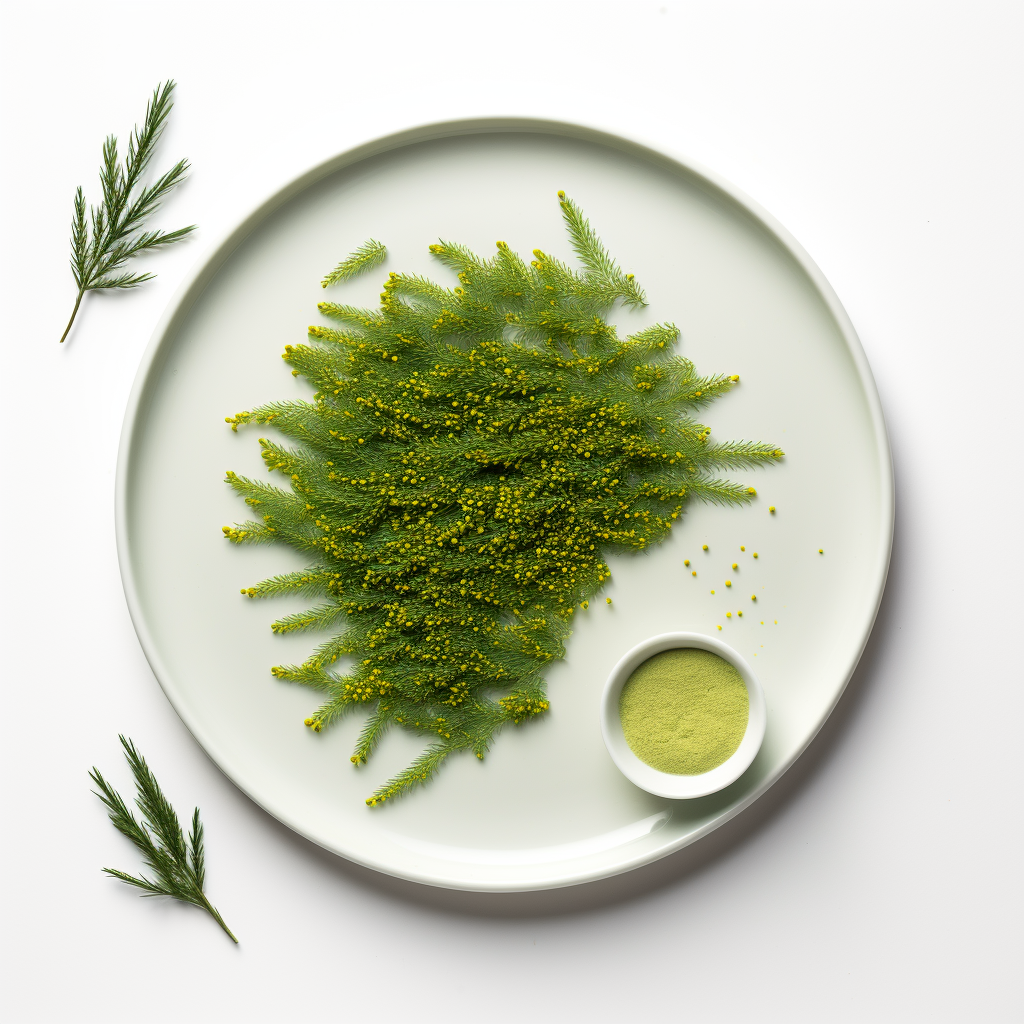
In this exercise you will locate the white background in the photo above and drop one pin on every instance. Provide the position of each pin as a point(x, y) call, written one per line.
point(880, 879)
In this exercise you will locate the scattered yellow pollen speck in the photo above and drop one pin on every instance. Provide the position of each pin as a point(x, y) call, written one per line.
point(820, 552)
point(750, 490)
point(728, 583)
point(740, 614)
point(718, 627)
point(776, 622)
point(728, 615)
point(693, 572)
point(735, 565)
point(686, 561)
point(607, 600)
point(762, 623)
point(735, 378)
point(755, 554)
point(704, 548)
point(712, 591)
point(753, 597)
point(771, 508)
point(742, 548)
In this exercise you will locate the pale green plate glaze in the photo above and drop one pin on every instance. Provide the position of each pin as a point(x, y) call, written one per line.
point(547, 807)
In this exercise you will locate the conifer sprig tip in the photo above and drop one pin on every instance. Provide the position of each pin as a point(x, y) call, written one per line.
point(178, 866)
point(105, 237)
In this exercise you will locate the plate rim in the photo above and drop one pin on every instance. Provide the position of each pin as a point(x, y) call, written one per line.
point(205, 269)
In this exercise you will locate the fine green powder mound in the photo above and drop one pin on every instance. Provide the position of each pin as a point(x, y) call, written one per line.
point(684, 711)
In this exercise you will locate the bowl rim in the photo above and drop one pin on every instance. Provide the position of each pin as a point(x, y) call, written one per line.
point(665, 784)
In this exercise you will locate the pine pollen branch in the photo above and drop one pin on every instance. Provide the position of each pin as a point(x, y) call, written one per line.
point(469, 458)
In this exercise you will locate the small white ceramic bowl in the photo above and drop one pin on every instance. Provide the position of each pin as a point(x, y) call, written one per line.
point(680, 787)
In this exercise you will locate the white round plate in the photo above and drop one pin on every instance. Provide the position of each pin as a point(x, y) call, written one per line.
point(547, 807)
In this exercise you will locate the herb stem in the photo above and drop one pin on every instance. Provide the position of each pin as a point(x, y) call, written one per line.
point(216, 916)
point(74, 313)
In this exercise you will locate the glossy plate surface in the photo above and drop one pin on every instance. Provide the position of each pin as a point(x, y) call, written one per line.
point(547, 807)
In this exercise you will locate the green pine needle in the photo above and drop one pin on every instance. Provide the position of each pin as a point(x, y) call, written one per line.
point(178, 866)
point(369, 255)
point(112, 234)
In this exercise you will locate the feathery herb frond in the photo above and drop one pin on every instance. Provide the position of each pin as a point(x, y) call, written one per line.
point(111, 235)
point(470, 457)
point(592, 255)
point(178, 865)
point(369, 255)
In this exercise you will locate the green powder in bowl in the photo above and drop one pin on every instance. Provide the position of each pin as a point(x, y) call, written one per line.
point(684, 711)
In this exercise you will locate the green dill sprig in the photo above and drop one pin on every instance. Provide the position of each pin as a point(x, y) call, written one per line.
point(369, 255)
point(178, 866)
point(113, 232)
